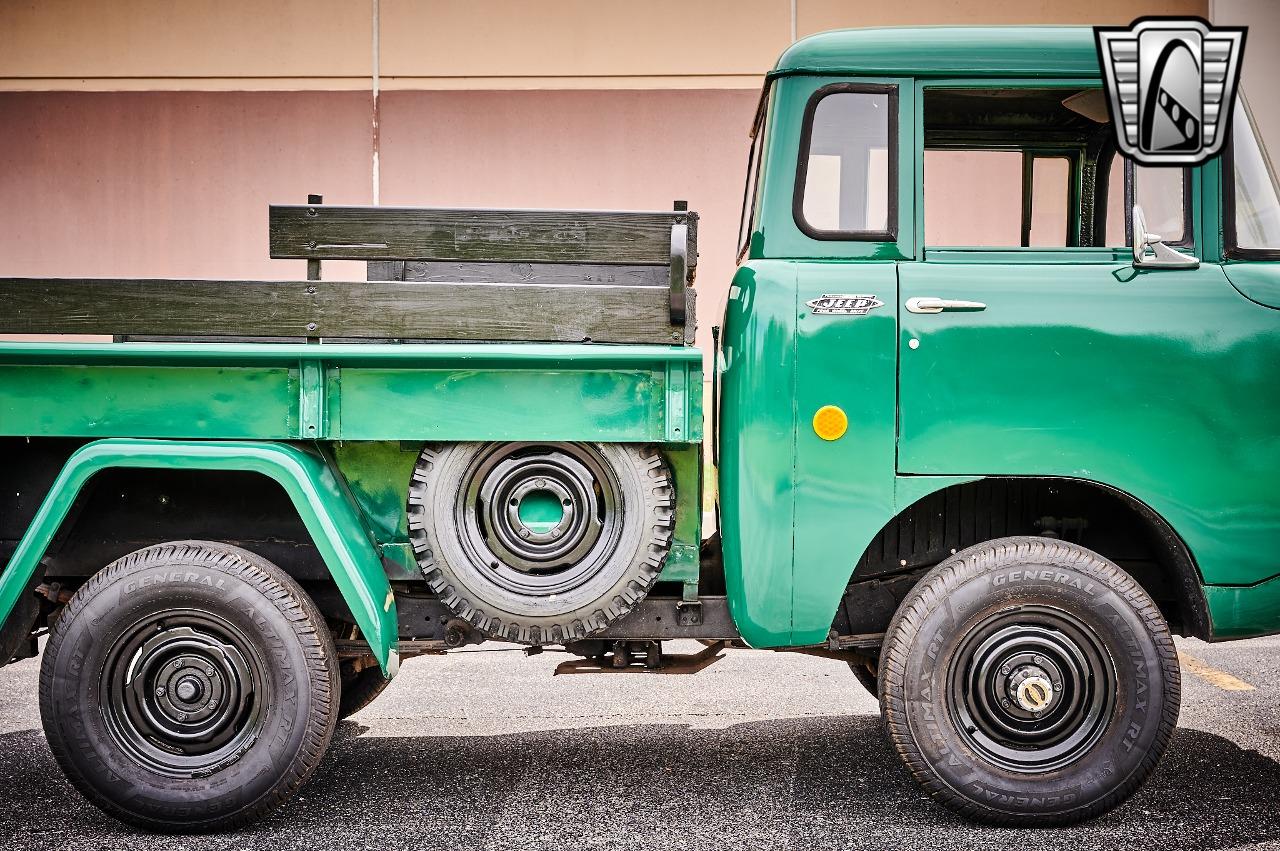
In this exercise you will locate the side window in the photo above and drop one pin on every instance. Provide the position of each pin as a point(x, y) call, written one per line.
point(953, 178)
point(1049, 185)
point(1025, 198)
point(1033, 167)
point(1253, 199)
point(1162, 194)
point(846, 184)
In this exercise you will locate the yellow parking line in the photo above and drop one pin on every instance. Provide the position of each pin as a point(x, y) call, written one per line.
point(1212, 675)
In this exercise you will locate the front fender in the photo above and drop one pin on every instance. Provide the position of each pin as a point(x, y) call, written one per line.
point(317, 493)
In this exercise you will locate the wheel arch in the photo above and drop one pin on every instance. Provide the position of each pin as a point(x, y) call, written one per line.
point(948, 517)
point(316, 492)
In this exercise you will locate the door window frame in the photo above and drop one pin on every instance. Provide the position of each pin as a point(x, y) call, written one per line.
point(1039, 254)
point(1231, 250)
point(892, 223)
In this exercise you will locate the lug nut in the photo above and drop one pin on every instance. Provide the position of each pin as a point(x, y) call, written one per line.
point(1005, 670)
point(1038, 659)
point(160, 691)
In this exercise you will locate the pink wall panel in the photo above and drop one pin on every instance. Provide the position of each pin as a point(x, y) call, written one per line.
point(626, 149)
point(168, 184)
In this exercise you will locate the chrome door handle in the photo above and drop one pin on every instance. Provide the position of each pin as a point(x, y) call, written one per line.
point(929, 304)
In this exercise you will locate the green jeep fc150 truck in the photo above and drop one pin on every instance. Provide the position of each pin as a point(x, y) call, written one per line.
point(991, 460)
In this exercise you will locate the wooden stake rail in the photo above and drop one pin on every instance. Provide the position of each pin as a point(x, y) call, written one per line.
point(435, 274)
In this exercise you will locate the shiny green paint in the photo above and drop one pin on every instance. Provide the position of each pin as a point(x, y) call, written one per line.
point(1257, 280)
point(1244, 611)
point(798, 511)
point(322, 501)
point(144, 401)
point(352, 392)
point(843, 489)
point(378, 475)
point(774, 230)
point(757, 449)
point(1159, 383)
point(944, 52)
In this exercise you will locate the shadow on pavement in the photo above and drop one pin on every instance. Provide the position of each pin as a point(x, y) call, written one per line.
point(810, 783)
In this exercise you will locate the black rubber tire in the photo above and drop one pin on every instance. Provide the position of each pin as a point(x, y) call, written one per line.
point(863, 674)
point(284, 636)
point(359, 689)
point(1008, 578)
point(464, 584)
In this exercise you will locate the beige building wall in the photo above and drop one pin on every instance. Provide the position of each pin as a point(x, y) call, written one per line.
point(146, 137)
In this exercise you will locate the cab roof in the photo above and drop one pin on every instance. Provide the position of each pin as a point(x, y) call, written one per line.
point(945, 52)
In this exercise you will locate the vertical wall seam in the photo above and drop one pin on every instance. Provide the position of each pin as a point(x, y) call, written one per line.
point(376, 175)
point(794, 4)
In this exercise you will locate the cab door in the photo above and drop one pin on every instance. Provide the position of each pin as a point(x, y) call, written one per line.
point(1031, 360)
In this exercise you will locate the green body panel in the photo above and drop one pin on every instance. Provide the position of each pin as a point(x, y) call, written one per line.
point(757, 450)
point(352, 392)
point(322, 501)
point(945, 52)
point(1244, 611)
point(1159, 383)
point(844, 489)
point(1257, 280)
point(140, 401)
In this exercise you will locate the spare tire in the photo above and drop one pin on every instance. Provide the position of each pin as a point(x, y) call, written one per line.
point(540, 543)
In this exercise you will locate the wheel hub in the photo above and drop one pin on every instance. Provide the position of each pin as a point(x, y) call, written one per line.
point(542, 519)
point(1031, 688)
point(182, 692)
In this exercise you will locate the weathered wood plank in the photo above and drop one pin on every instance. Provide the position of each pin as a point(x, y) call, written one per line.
point(448, 271)
point(340, 309)
point(521, 236)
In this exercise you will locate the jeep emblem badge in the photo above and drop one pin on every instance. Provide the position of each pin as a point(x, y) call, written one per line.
point(844, 305)
point(1171, 85)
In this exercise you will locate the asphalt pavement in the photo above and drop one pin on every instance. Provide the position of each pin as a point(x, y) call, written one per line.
point(489, 750)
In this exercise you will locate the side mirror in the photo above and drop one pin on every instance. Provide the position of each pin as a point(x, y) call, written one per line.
point(1160, 255)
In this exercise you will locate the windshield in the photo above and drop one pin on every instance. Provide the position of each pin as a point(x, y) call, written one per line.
point(1257, 193)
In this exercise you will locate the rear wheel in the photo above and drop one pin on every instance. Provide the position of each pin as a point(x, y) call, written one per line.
point(188, 687)
point(1029, 681)
point(540, 543)
point(360, 688)
point(863, 673)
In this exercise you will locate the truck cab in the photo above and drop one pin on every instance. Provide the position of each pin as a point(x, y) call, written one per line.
point(938, 242)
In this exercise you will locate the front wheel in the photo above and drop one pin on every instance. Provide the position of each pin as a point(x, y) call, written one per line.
point(1029, 682)
point(189, 687)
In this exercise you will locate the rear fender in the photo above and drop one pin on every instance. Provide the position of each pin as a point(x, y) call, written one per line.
point(318, 494)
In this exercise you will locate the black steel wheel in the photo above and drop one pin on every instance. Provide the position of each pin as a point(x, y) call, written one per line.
point(183, 690)
point(1029, 681)
point(1031, 688)
point(189, 687)
point(540, 543)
